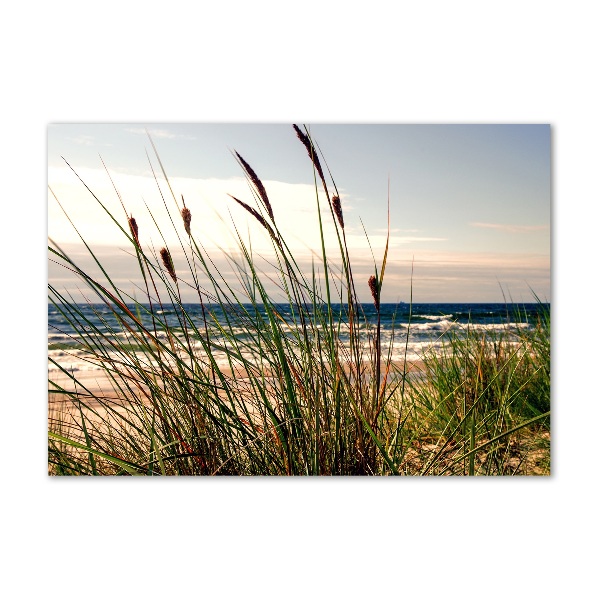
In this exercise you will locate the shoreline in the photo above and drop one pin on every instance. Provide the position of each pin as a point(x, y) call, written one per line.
point(98, 380)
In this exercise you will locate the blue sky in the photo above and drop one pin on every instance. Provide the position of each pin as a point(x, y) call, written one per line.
point(470, 204)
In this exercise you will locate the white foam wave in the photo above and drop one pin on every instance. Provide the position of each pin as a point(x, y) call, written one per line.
point(438, 326)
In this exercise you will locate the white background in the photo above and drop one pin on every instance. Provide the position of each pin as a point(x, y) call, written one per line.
point(429, 62)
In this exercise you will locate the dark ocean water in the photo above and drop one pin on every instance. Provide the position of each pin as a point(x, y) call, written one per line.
point(425, 325)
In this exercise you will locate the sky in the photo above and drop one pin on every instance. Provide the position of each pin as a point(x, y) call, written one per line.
point(469, 205)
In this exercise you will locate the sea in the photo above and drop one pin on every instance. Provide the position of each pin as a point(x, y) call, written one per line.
point(407, 331)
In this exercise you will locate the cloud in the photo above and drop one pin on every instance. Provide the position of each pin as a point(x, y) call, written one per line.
point(378, 241)
point(511, 228)
point(439, 275)
point(87, 140)
point(83, 140)
point(433, 277)
point(161, 133)
point(215, 216)
point(396, 230)
point(410, 240)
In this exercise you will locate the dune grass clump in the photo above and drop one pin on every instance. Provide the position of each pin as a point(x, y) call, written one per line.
point(476, 388)
point(302, 386)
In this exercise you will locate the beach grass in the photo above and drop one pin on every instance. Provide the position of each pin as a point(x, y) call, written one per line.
point(306, 389)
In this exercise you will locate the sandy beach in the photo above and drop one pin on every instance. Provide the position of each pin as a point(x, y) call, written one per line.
point(96, 390)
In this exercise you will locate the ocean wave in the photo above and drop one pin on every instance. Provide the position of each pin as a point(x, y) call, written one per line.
point(441, 325)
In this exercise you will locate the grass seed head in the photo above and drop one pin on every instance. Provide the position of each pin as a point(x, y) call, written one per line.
point(260, 188)
point(374, 290)
point(134, 229)
point(259, 218)
point(168, 262)
point(337, 209)
point(187, 219)
point(311, 151)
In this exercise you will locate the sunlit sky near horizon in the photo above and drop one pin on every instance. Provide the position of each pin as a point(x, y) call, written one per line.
point(470, 204)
